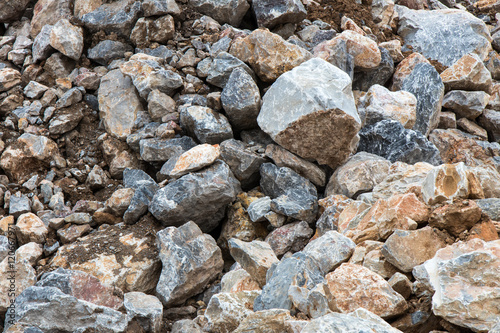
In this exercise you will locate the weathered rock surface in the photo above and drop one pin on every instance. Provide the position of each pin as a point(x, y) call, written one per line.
point(67, 39)
point(227, 11)
point(194, 159)
point(468, 104)
point(205, 124)
point(290, 237)
point(271, 13)
point(467, 73)
point(330, 250)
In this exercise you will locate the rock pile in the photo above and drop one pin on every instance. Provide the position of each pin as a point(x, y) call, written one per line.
point(249, 166)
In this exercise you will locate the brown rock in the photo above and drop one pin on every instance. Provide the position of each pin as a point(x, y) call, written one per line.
point(159, 30)
point(364, 50)
point(9, 78)
point(456, 217)
point(447, 120)
point(73, 232)
point(238, 280)
point(485, 230)
point(49, 12)
point(290, 237)
point(25, 276)
point(120, 200)
point(472, 128)
point(405, 68)
point(30, 228)
point(468, 73)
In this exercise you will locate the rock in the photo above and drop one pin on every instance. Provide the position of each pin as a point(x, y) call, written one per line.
point(236, 281)
point(354, 286)
point(12, 10)
point(467, 73)
point(144, 189)
point(468, 104)
point(160, 105)
point(108, 50)
point(9, 78)
point(119, 104)
point(19, 205)
point(227, 11)
point(490, 207)
point(472, 128)
point(268, 54)
point(454, 273)
point(206, 125)
point(88, 80)
point(41, 45)
point(447, 120)
point(24, 277)
point(292, 194)
point(333, 206)
point(190, 260)
point(160, 7)
point(67, 39)
point(49, 12)
point(285, 115)
point(401, 284)
point(66, 120)
point(271, 13)
point(364, 79)
point(147, 310)
point(160, 150)
point(185, 326)
point(241, 100)
point(30, 228)
point(330, 250)
point(406, 249)
point(255, 257)
point(96, 178)
point(390, 140)
point(210, 190)
point(119, 255)
point(298, 270)
point(377, 263)
point(290, 237)
point(456, 217)
point(421, 29)
point(426, 85)
point(405, 68)
point(358, 175)
point(72, 233)
point(34, 90)
point(49, 309)
point(194, 159)
point(392, 46)
point(159, 30)
point(225, 311)
point(83, 286)
point(313, 303)
point(364, 50)
point(490, 121)
point(445, 183)
point(119, 201)
point(335, 52)
point(221, 68)
point(4, 247)
point(379, 103)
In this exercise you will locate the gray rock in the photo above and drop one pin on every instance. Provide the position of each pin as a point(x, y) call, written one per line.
point(209, 190)
point(160, 150)
point(425, 83)
point(97, 178)
point(67, 39)
point(41, 48)
point(160, 7)
point(490, 207)
point(299, 270)
point(146, 132)
point(108, 50)
point(258, 209)
point(270, 13)
point(306, 105)
point(78, 218)
point(19, 205)
point(119, 17)
point(225, 11)
point(34, 90)
point(12, 10)
point(190, 261)
point(290, 237)
point(490, 121)
point(468, 104)
point(364, 79)
point(146, 310)
point(492, 63)
point(160, 105)
point(50, 310)
point(159, 30)
point(145, 189)
point(69, 98)
point(59, 65)
point(222, 66)
point(4, 247)
point(243, 160)
point(429, 33)
point(241, 100)
point(186, 326)
point(389, 139)
point(313, 302)
point(204, 124)
point(292, 194)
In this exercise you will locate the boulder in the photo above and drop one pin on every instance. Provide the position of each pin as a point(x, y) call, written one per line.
point(49, 12)
point(365, 78)
point(467, 73)
point(108, 50)
point(468, 104)
point(144, 309)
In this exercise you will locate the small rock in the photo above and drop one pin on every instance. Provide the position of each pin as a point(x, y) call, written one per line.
point(9, 78)
point(401, 284)
point(271, 13)
point(290, 237)
point(147, 310)
point(29, 228)
point(156, 150)
point(160, 105)
point(405, 68)
point(30, 252)
point(275, 320)
point(238, 280)
point(41, 49)
point(67, 39)
point(160, 7)
point(25, 277)
point(97, 178)
point(447, 120)
point(12, 10)
point(259, 208)
point(456, 217)
point(73, 232)
point(159, 30)
point(206, 125)
point(472, 128)
point(194, 159)
point(490, 121)
point(221, 68)
point(381, 74)
point(34, 90)
point(119, 201)
point(78, 218)
point(19, 205)
point(108, 50)
point(468, 104)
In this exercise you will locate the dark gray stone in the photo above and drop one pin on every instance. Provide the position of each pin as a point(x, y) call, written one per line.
point(145, 189)
point(425, 83)
point(41, 48)
point(222, 67)
point(363, 80)
point(299, 270)
point(146, 132)
point(490, 121)
point(226, 11)
point(160, 150)
point(160, 7)
point(107, 51)
point(19, 205)
point(270, 13)
point(206, 125)
point(389, 139)
point(161, 51)
point(490, 207)
point(293, 195)
point(241, 100)
point(201, 197)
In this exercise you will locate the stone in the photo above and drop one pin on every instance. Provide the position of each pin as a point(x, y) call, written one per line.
point(67, 39)
point(445, 183)
point(70, 97)
point(390, 140)
point(159, 30)
point(160, 7)
point(204, 124)
point(485, 230)
point(307, 103)
point(97, 178)
point(298, 270)
point(147, 310)
point(393, 47)
point(160, 150)
point(353, 286)
point(66, 120)
point(186, 326)
point(41, 48)
point(108, 50)
point(275, 320)
point(330, 216)
point(194, 159)
point(259, 208)
point(463, 276)
point(226, 311)
point(160, 105)
point(119, 255)
point(468, 104)
point(467, 73)
point(421, 29)
point(227, 11)
point(335, 52)
point(272, 13)
point(377, 263)
point(406, 249)
point(358, 175)
point(255, 257)
point(283, 158)
point(241, 100)
point(119, 201)
point(313, 303)
point(456, 217)
point(83, 286)
point(30, 252)
point(4, 247)
point(379, 103)
point(19, 205)
point(210, 190)
point(472, 128)
point(268, 54)
point(59, 66)
point(490, 207)
point(24, 277)
point(72, 232)
point(49, 12)
point(236, 281)
point(12, 10)
point(144, 189)
point(88, 80)
point(221, 68)
point(78, 218)
point(381, 74)
point(401, 284)
point(405, 67)
point(190, 261)
point(364, 50)
point(34, 90)
point(119, 104)
point(30, 228)
point(292, 195)
point(118, 17)
point(49, 309)
point(490, 121)
point(9, 78)
point(290, 237)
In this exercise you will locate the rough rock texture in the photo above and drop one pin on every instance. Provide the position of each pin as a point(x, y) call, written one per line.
point(194, 159)
point(307, 103)
point(270, 13)
point(365, 51)
point(467, 73)
point(456, 217)
point(67, 39)
point(11, 10)
point(207, 125)
point(144, 309)
point(226, 11)
point(290, 237)
point(468, 104)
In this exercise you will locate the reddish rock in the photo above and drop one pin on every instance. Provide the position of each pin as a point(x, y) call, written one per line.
point(73, 232)
point(468, 73)
point(456, 217)
point(485, 230)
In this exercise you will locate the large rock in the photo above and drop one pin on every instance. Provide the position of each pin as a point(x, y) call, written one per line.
point(490, 121)
point(30, 228)
point(144, 309)
point(201, 197)
point(405, 67)
point(305, 106)
point(144, 189)
point(161, 150)
point(12, 10)
point(464, 277)
point(268, 54)
point(275, 320)
point(446, 183)
point(380, 75)
point(49, 12)
point(223, 66)
point(159, 30)
point(119, 104)
point(429, 33)
point(270, 13)
point(22, 276)
point(467, 73)
point(190, 261)
point(67, 39)
point(389, 139)
point(456, 217)
point(226, 11)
